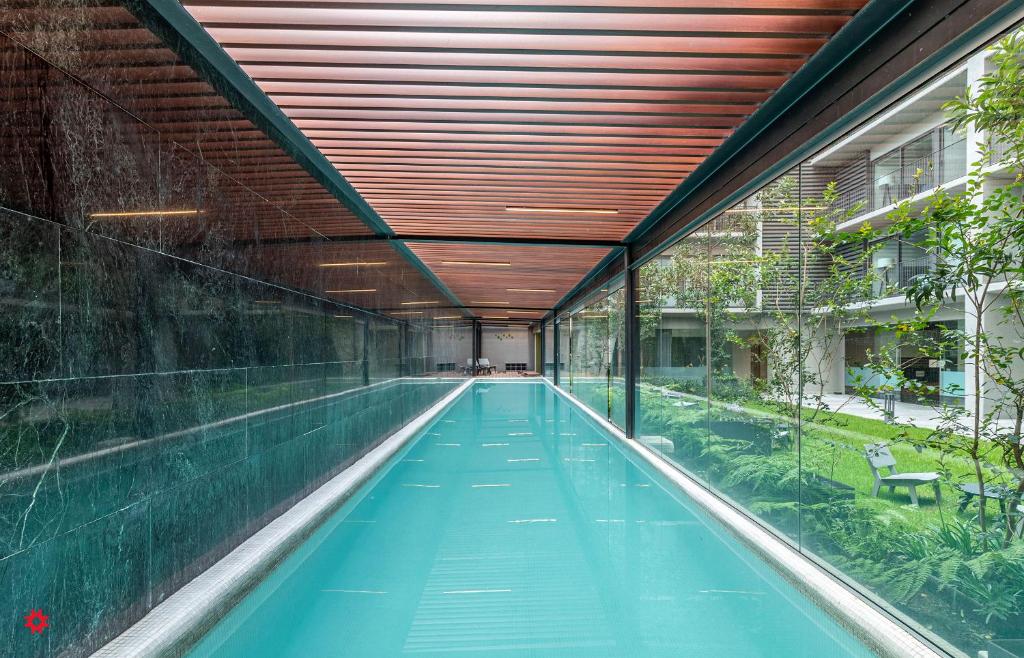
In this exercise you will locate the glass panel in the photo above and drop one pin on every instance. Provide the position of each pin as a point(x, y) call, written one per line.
point(672, 405)
point(549, 350)
point(617, 356)
point(590, 377)
point(911, 404)
point(564, 355)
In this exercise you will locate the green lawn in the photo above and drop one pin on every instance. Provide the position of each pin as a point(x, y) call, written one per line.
point(833, 446)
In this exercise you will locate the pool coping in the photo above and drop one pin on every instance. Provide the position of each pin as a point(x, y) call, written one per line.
point(172, 627)
point(878, 631)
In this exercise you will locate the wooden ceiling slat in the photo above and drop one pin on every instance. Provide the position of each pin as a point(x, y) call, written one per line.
point(448, 117)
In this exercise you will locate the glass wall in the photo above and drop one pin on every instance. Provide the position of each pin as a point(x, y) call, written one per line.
point(840, 354)
point(594, 361)
point(174, 368)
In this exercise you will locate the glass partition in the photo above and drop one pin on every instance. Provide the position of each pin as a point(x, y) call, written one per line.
point(672, 404)
point(841, 354)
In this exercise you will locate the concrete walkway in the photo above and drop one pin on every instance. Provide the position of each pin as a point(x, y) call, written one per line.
point(918, 415)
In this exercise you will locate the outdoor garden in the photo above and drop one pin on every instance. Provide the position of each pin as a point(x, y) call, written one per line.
point(782, 281)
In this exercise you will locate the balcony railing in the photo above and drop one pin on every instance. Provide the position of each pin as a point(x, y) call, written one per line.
point(895, 185)
point(997, 151)
point(892, 279)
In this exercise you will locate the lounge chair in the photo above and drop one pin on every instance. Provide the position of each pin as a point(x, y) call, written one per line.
point(484, 365)
point(879, 456)
point(997, 491)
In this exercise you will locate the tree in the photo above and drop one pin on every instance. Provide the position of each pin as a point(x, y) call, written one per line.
point(976, 237)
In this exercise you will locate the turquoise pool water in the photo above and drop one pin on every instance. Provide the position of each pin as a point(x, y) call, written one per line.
point(515, 526)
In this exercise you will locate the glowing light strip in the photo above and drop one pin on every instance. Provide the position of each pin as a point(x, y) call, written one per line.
point(370, 263)
point(407, 313)
point(530, 290)
point(335, 292)
point(575, 211)
point(480, 263)
point(144, 213)
point(419, 303)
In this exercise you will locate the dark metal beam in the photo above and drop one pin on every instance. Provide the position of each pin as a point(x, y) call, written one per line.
point(632, 335)
point(556, 357)
point(536, 242)
point(451, 239)
point(543, 347)
point(477, 340)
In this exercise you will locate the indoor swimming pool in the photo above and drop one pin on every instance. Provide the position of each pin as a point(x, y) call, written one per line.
point(514, 525)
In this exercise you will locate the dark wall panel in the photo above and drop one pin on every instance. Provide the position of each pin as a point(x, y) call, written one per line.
point(168, 383)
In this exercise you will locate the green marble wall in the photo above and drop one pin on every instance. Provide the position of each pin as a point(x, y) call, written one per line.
point(156, 407)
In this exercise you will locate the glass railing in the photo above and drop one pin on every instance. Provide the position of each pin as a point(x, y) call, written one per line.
point(899, 183)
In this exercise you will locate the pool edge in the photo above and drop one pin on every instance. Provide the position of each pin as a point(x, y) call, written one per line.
point(861, 618)
point(176, 624)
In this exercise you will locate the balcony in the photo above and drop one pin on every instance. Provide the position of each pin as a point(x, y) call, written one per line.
point(891, 184)
point(891, 279)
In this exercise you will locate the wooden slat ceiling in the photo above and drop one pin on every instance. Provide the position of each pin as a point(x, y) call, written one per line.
point(508, 282)
point(260, 189)
point(259, 212)
point(538, 119)
point(470, 118)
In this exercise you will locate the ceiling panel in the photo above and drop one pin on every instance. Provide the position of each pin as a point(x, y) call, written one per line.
point(535, 119)
point(508, 282)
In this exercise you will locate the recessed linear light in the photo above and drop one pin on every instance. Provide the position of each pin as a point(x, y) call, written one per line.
point(407, 313)
point(523, 312)
point(448, 317)
point(481, 263)
point(494, 317)
point(143, 213)
point(266, 301)
point(491, 303)
point(368, 263)
point(343, 316)
point(419, 303)
point(335, 292)
point(530, 290)
point(575, 211)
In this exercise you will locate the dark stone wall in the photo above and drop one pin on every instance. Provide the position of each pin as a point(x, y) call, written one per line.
point(158, 404)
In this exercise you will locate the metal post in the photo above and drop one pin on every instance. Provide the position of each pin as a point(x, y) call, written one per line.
point(543, 346)
point(556, 356)
point(477, 340)
point(632, 355)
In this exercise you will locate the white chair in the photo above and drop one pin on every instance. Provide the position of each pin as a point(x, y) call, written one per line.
point(879, 456)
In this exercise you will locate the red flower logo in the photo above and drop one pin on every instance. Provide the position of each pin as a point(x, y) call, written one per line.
point(36, 621)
